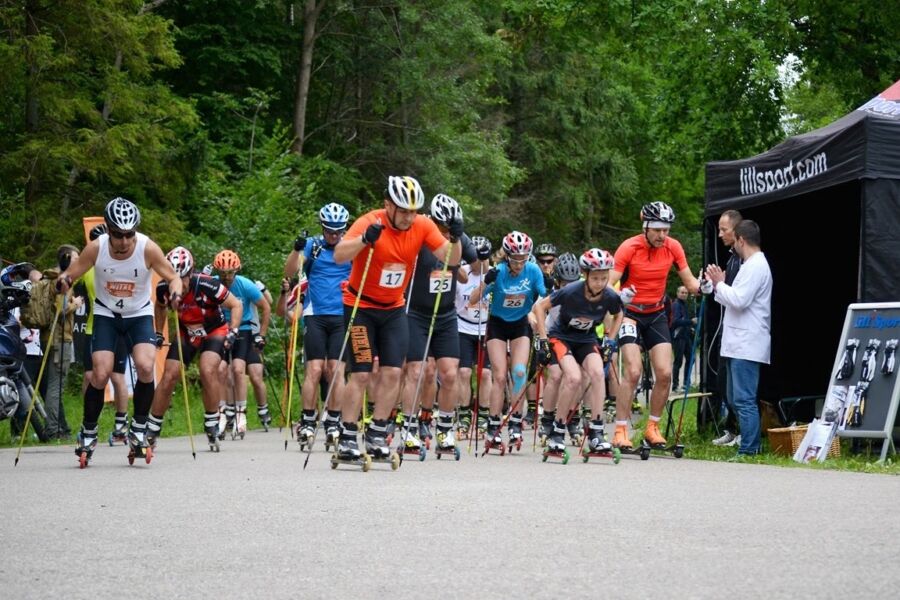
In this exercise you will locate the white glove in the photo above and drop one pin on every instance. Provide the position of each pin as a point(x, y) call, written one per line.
point(626, 295)
point(706, 287)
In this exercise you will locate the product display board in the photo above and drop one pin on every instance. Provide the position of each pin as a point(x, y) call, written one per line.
point(864, 390)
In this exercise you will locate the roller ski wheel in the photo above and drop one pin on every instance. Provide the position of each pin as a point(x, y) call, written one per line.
point(145, 453)
point(212, 439)
point(516, 444)
point(678, 451)
point(492, 445)
point(455, 452)
point(394, 459)
point(214, 445)
point(117, 436)
point(562, 454)
point(542, 440)
point(615, 454)
point(576, 440)
point(83, 459)
point(412, 451)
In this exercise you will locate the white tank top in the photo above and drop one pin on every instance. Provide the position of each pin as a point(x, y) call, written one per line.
point(122, 287)
point(468, 319)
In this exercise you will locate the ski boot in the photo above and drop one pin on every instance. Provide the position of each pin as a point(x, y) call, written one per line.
point(411, 444)
point(556, 444)
point(306, 429)
point(598, 446)
point(425, 434)
point(137, 445)
point(576, 433)
point(653, 437)
point(514, 429)
point(609, 408)
point(85, 444)
point(265, 419)
point(347, 453)
point(120, 433)
point(546, 427)
point(528, 419)
point(376, 445)
point(240, 424)
point(446, 444)
point(492, 437)
point(212, 435)
point(482, 421)
point(622, 442)
point(226, 421)
point(463, 426)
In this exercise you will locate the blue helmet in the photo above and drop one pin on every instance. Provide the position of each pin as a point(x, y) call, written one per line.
point(334, 216)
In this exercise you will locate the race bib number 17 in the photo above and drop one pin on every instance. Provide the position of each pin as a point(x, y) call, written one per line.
point(392, 275)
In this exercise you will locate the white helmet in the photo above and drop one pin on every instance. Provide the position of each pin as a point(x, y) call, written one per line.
point(517, 242)
point(181, 260)
point(405, 192)
point(122, 214)
point(445, 210)
point(334, 216)
point(9, 398)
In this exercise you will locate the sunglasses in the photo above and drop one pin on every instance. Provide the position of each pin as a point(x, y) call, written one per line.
point(328, 231)
point(121, 235)
point(517, 260)
point(546, 261)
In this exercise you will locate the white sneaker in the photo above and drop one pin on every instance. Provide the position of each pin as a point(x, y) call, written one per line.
point(736, 441)
point(726, 440)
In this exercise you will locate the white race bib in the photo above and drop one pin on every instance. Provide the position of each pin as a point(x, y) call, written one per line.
point(580, 324)
point(439, 282)
point(513, 300)
point(195, 331)
point(628, 330)
point(392, 275)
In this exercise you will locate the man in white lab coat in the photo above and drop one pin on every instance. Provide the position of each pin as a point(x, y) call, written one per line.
point(746, 339)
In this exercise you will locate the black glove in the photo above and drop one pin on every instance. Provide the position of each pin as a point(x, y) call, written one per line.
point(259, 341)
point(543, 352)
point(229, 339)
point(300, 242)
point(483, 252)
point(160, 340)
point(373, 232)
point(175, 301)
point(60, 288)
point(490, 277)
point(456, 229)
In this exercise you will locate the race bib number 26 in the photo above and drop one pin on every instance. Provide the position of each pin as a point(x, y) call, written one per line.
point(514, 301)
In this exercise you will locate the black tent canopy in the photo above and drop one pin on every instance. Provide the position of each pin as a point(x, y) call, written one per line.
point(828, 206)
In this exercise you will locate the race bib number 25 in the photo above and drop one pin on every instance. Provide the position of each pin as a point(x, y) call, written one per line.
point(439, 281)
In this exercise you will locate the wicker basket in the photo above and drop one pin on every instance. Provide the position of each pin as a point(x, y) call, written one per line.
point(786, 440)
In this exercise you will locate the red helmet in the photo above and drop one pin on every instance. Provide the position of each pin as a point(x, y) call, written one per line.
point(517, 242)
point(596, 259)
point(227, 260)
point(181, 260)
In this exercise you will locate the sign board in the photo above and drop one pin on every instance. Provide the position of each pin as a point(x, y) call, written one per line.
point(864, 390)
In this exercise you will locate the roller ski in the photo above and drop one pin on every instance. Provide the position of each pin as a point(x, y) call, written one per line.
point(446, 444)
point(265, 419)
point(556, 444)
point(378, 449)
point(576, 434)
point(119, 435)
point(226, 422)
point(492, 438)
point(514, 431)
point(137, 447)
point(655, 441)
point(212, 436)
point(622, 442)
point(85, 444)
point(545, 430)
point(347, 453)
point(306, 430)
point(240, 424)
point(463, 427)
point(597, 446)
point(528, 419)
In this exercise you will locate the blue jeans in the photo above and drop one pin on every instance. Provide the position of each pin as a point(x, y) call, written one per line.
point(743, 379)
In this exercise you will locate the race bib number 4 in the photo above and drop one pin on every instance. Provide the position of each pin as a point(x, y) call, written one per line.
point(439, 281)
point(392, 275)
point(514, 301)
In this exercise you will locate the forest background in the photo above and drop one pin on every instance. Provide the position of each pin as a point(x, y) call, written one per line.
point(230, 122)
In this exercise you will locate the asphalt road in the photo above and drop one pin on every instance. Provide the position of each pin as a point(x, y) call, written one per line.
point(249, 520)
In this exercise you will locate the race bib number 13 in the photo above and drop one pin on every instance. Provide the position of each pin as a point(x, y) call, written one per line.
point(392, 275)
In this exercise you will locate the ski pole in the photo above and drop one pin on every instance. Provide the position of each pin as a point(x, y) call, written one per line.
point(62, 341)
point(338, 372)
point(37, 387)
point(187, 408)
point(292, 360)
point(690, 366)
point(479, 369)
point(437, 303)
point(540, 377)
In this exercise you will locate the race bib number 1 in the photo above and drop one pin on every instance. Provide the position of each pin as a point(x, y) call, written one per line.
point(392, 275)
point(514, 301)
point(439, 282)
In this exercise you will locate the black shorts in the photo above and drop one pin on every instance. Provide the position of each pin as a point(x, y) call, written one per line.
point(648, 330)
point(498, 329)
point(468, 352)
point(119, 363)
point(444, 337)
point(376, 332)
point(109, 331)
point(244, 349)
point(323, 336)
point(578, 350)
point(189, 348)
